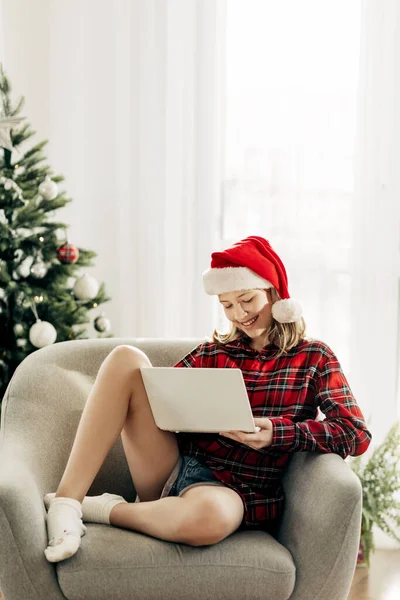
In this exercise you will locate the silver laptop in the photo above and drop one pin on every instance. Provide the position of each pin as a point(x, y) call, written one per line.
point(202, 400)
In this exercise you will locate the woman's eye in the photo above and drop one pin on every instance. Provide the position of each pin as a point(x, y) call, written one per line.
point(244, 302)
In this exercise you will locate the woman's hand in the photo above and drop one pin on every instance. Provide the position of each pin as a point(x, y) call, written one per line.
point(258, 440)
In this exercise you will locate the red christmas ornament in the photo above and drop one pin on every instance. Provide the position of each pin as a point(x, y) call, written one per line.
point(68, 254)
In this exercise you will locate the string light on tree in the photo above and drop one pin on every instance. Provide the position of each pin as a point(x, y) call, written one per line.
point(48, 189)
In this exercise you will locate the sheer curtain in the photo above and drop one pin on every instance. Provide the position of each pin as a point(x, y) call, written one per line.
point(128, 94)
point(312, 130)
point(376, 218)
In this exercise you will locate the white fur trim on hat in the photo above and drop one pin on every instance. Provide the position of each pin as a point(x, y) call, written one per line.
point(287, 311)
point(232, 279)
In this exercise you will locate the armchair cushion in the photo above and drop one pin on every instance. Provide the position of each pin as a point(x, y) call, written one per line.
point(249, 565)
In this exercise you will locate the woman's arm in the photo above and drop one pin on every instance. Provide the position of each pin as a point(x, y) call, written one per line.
point(343, 430)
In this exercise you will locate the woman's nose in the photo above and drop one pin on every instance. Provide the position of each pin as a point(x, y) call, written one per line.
point(239, 313)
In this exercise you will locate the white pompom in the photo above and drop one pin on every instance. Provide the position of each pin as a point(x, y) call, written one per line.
point(287, 311)
point(86, 287)
point(42, 333)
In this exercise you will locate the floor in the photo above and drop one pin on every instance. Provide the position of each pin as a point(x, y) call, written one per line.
point(380, 582)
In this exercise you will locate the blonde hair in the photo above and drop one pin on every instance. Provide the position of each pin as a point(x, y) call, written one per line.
point(283, 335)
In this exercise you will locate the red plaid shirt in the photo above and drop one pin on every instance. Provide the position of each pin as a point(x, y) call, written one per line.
point(288, 390)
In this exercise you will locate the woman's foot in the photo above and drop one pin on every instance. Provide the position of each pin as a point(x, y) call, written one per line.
point(64, 529)
point(95, 509)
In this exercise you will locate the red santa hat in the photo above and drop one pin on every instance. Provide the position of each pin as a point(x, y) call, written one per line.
point(252, 264)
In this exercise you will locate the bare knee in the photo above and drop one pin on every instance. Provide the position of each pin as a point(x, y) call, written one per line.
point(129, 357)
point(123, 365)
point(208, 524)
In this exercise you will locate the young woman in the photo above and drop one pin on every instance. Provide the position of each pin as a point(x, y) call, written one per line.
point(194, 488)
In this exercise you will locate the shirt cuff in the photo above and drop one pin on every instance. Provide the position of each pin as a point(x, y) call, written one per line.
point(283, 434)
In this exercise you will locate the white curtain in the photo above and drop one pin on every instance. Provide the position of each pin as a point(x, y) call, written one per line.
point(376, 225)
point(128, 94)
point(376, 219)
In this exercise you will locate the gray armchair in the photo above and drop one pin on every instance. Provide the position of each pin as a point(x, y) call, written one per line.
point(313, 557)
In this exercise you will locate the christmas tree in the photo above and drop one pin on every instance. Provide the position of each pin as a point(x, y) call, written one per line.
point(44, 295)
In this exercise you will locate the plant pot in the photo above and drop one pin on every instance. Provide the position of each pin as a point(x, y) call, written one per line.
point(361, 555)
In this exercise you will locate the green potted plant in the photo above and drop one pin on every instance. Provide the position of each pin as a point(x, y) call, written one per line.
point(380, 480)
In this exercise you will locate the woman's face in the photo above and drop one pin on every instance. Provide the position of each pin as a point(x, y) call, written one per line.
point(249, 310)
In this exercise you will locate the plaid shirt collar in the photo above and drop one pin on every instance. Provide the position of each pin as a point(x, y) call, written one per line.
point(243, 343)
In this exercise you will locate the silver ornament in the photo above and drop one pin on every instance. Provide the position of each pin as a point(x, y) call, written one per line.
point(48, 189)
point(39, 270)
point(102, 324)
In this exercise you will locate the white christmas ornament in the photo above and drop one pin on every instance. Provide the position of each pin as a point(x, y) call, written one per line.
point(48, 189)
point(24, 269)
point(86, 287)
point(39, 270)
point(102, 324)
point(42, 333)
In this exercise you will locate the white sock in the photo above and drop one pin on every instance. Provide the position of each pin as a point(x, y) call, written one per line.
point(64, 529)
point(95, 509)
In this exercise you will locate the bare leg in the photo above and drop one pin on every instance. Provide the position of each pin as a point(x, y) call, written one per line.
point(117, 402)
point(202, 515)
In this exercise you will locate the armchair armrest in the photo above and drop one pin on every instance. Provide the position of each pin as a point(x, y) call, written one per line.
point(321, 524)
point(25, 573)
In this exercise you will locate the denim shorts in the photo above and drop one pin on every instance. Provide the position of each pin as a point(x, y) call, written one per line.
point(188, 472)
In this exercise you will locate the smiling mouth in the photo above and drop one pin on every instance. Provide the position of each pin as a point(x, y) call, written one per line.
point(249, 323)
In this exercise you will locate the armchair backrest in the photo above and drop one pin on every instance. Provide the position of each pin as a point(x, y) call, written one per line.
point(45, 398)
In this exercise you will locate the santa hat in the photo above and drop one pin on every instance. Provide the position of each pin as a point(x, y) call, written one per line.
point(250, 264)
